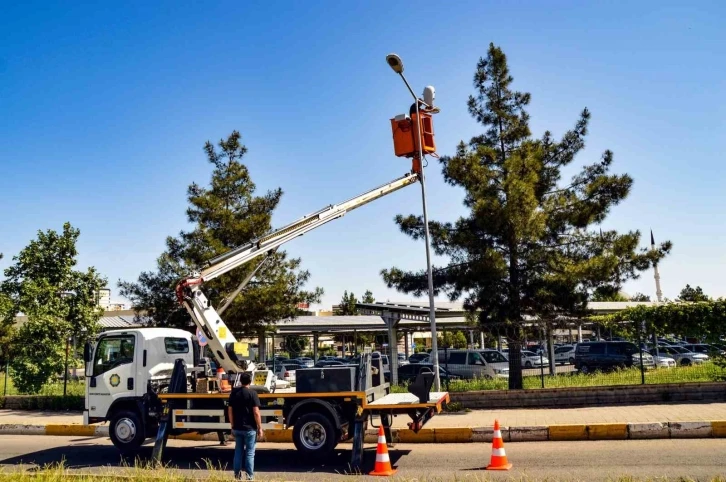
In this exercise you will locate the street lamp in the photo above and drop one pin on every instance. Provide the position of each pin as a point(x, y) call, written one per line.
point(395, 62)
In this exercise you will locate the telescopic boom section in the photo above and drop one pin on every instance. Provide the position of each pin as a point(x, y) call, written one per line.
point(205, 316)
point(239, 256)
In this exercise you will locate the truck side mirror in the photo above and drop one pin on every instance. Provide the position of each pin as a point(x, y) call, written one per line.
point(87, 352)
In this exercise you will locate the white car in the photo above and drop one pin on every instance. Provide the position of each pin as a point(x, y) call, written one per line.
point(286, 372)
point(565, 354)
point(531, 359)
point(663, 361)
point(681, 355)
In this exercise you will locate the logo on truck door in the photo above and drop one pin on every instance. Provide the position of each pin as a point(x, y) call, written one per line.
point(115, 380)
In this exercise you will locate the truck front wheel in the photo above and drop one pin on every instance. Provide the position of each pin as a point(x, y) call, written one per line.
point(314, 435)
point(127, 431)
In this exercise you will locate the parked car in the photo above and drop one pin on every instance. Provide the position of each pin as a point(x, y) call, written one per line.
point(565, 354)
point(663, 361)
point(286, 372)
point(304, 361)
point(705, 349)
point(470, 364)
point(276, 362)
point(329, 363)
point(531, 359)
point(608, 355)
point(417, 357)
point(682, 356)
point(408, 373)
point(386, 362)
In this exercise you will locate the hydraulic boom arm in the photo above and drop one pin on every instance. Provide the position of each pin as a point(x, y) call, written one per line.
point(220, 339)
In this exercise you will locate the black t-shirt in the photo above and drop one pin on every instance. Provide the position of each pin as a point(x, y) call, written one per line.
point(243, 400)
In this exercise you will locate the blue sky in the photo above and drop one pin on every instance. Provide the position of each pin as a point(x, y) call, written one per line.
point(104, 111)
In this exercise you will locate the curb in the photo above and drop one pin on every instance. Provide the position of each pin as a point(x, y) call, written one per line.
point(541, 433)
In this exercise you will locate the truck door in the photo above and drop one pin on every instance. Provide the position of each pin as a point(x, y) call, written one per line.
point(113, 373)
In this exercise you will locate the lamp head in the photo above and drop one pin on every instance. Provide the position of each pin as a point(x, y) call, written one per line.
point(395, 62)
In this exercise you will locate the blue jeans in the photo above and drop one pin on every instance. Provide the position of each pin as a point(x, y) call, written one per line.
point(244, 441)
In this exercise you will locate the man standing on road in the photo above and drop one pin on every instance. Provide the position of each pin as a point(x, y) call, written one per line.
point(244, 416)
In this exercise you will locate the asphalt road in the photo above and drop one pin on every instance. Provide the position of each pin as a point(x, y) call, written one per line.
point(590, 461)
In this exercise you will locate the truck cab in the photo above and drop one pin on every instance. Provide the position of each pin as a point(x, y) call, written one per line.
point(120, 368)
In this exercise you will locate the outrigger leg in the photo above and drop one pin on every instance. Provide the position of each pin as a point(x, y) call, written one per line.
point(356, 462)
point(161, 436)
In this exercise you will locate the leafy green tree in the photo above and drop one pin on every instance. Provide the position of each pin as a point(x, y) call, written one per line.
point(296, 345)
point(703, 320)
point(58, 300)
point(529, 244)
point(368, 297)
point(6, 329)
point(225, 215)
point(452, 339)
point(639, 297)
point(692, 294)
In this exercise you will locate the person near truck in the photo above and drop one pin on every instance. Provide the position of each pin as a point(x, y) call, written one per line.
point(244, 416)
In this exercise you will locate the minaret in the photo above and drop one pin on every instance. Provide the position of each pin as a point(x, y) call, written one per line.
point(658, 292)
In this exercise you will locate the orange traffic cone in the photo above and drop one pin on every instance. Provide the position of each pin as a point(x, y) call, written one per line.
point(499, 457)
point(224, 385)
point(383, 462)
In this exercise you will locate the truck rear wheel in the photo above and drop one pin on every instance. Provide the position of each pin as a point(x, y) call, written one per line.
point(314, 435)
point(127, 431)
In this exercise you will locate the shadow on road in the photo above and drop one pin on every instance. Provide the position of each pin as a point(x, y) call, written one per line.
point(85, 454)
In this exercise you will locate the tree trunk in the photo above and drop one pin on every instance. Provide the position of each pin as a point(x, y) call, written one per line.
point(515, 315)
point(515, 365)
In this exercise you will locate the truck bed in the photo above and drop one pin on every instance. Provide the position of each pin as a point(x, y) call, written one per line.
point(390, 402)
point(393, 401)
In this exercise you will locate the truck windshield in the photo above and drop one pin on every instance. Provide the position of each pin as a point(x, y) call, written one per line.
point(113, 351)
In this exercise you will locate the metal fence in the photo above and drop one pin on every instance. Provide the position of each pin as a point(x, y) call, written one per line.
point(474, 368)
point(589, 364)
point(34, 378)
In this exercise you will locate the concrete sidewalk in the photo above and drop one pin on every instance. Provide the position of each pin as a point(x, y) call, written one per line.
point(681, 412)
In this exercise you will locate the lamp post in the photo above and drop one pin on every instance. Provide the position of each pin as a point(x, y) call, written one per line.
point(395, 62)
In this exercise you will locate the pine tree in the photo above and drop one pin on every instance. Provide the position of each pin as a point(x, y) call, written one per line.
point(640, 297)
point(528, 246)
point(347, 305)
point(225, 215)
point(692, 294)
point(368, 297)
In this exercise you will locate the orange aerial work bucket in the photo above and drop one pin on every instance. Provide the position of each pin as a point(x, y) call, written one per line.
point(405, 135)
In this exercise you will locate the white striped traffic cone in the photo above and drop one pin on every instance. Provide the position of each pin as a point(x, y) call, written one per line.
point(499, 457)
point(383, 462)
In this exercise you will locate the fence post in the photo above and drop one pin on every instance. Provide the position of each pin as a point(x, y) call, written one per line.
point(7, 369)
point(541, 367)
point(640, 351)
